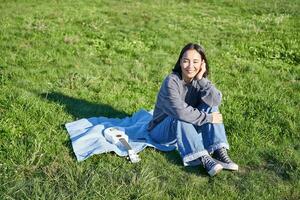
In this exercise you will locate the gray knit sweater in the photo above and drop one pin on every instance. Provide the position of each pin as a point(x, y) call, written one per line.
point(179, 99)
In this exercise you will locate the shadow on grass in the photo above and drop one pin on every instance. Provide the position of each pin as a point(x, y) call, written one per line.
point(281, 168)
point(174, 158)
point(80, 108)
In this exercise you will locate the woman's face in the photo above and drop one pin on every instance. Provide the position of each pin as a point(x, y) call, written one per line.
point(190, 64)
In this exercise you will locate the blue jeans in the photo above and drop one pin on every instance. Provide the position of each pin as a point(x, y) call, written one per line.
point(191, 141)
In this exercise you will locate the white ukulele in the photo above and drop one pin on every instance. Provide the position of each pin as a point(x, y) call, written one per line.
point(119, 138)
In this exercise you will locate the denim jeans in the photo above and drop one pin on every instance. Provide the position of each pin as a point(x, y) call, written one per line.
point(191, 141)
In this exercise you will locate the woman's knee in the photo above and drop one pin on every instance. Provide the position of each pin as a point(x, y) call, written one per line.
point(208, 109)
point(185, 127)
point(183, 124)
point(214, 109)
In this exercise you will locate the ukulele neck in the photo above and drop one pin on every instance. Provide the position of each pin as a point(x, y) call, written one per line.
point(125, 143)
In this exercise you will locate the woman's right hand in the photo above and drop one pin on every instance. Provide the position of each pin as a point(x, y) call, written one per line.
point(201, 71)
point(217, 118)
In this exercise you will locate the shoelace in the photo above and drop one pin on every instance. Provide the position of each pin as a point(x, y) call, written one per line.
point(207, 161)
point(223, 155)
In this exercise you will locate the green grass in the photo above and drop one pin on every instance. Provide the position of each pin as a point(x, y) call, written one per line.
point(65, 60)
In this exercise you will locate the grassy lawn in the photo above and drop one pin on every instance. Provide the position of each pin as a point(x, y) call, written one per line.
point(66, 60)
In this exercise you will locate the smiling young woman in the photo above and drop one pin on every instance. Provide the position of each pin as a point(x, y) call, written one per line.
point(186, 114)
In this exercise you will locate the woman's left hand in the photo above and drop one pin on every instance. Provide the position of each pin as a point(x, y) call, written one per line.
point(202, 71)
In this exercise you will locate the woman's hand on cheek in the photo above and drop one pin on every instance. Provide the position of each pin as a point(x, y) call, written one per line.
point(201, 71)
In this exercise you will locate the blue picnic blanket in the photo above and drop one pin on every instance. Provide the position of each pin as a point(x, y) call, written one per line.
point(87, 135)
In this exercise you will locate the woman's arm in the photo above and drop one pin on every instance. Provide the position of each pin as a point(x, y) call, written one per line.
point(208, 92)
point(173, 104)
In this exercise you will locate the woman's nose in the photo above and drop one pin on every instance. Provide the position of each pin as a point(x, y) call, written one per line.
point(190, 65)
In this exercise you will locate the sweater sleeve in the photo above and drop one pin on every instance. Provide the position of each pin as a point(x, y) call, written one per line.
point(209, 93)
point(174, 105)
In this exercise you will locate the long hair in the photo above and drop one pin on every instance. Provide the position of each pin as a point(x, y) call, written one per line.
point(191, 46)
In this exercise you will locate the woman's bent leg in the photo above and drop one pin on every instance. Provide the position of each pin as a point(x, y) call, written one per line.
point(191, 148)
point(214, 135)
point(189, 143)
point(215, 141)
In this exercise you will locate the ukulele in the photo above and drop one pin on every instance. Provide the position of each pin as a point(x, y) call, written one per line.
point(120, 139)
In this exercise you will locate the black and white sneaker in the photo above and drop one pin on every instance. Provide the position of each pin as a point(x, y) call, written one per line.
point(211, 166)
point(221, 157)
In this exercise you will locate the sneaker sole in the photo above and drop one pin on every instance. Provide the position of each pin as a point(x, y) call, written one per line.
point(232, 167)
point(215, 170)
